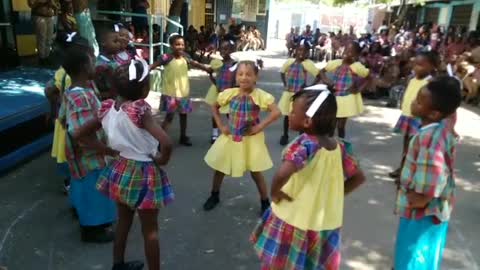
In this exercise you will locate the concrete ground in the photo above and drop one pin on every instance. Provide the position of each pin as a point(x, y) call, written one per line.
point(37, 230)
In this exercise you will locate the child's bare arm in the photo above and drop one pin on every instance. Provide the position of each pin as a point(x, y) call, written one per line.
point(212, 79)
point(280, 179)
point(324, 78)
point(417, 200)
point(218, 119)
point(87, 129)
point(200, 66)
point(158, 133)
point(354, 182)
point(272, 117)
point(284, 80)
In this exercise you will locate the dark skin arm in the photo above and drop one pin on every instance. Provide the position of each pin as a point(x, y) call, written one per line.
point(354, 182)
point(284, 80)
point(212, 79)
point(218, 119)
point(280, 179)
point(200, 66)
point(325, 79)
point(86, 138)
point(417, 200)
point(159, 134)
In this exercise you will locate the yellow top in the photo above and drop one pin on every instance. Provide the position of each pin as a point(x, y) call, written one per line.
point(358, 68)
point(308, 65)
point(216, 64)
point(411, 93)
point(175, 78)
point(58, 80)
point(260, 97)
point(317, 191)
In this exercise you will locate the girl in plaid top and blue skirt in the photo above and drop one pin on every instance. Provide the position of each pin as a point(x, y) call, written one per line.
point(241, 147)
point(407, 124)
point(225, 78)
point(294, 77)
point(302, 228)
point(134, 179)
point(427, 186)
point(344, 77)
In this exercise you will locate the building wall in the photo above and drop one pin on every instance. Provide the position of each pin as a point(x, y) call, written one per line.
point(446, 12)
point(196, 14)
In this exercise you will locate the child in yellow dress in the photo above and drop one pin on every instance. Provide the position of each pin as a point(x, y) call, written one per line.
point(302, 228)
point(294, 77)
point(241, 147)
point(344, 78)
point(176, 85)
point(224, 79)
point(407, 124)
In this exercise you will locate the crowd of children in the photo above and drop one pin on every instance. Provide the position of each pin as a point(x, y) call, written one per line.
point(115, 150)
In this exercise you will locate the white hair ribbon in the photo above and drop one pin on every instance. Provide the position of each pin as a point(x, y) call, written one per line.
point(450, 70)
point(70, 36)
point(132, 70)
point(319, 100)
point(116, 27)
point(231, 42)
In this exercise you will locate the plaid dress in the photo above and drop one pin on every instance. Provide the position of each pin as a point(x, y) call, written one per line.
point(104, 69)
point(133, 178)
point(280, 244)
point(244, 114)
point(296, 77)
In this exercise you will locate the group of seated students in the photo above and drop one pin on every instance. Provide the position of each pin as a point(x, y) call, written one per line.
point(388, 53)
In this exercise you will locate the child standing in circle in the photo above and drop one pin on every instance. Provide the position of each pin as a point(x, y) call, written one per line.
point(134, 180)
point(224, 79)
point(294, 77)
point(241, 147)
point(344, 79)
point(176, 85)
point(407, 124)
point(427, 186)
point(302, 228)
point(110, 46)
point(85, 155)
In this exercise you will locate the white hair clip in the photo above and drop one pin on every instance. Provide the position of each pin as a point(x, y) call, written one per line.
point(319, 100)
point(71, 36)
point(231, 42)
point(132, 70)
point(450, 70)
point(116, 27)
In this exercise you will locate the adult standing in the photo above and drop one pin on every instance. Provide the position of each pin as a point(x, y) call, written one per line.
point(140, 23)
point(44, 13)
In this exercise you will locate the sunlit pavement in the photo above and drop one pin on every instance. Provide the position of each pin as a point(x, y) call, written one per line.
point(37, 230)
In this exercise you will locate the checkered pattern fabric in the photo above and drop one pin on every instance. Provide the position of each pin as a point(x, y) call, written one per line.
point(140, 185)
point(135, 110)
point(282, 246)
point(343, 79)
point(225, 77)
point(296, 76)
point(429, 170)
point(104, 69)
point(303, 149)
point(78, 107)
point(175, 104)
point(244, 114)
point(407, 125)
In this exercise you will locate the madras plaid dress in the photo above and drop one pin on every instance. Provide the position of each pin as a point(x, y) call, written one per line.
point(244, 114)
point(407, 125)
point(138, 184)
point(225, 77)
point(296, 77)
point(283, 246)
point(343, 79)
point(104, 69)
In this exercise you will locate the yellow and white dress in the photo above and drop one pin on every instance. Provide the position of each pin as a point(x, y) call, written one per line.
point(176, 86)
point(345, 77)
point(225, 78)
point(238, 152)
point(61, 82)
point(296, 78)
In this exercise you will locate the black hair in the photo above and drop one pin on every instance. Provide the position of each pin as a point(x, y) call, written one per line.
point(446, 94)
point(75, 61)
point(126, 88)
point(172, 39)
point(306, 44)
point(230, 42)
point(356, 47)
point(106, 30)
point(432, 57)
point(325, 118)
point(255, 65)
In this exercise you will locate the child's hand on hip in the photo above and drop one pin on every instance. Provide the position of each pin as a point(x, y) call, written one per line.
point(225, 130)
point(254, 130)
point(279, 196)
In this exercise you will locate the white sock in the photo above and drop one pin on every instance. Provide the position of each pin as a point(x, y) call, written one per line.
point(215, 132)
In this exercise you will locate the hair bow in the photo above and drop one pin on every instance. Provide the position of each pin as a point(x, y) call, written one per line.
point(70, 36)
point(132, 70)
point(317, 103)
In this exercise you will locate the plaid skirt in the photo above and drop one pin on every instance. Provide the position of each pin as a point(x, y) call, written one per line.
point(138, 184)
point(282, 246)
point(407, 125)
point(175, 104)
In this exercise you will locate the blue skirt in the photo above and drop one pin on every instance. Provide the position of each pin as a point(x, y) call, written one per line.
point(420, 244)
point(93, 208)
